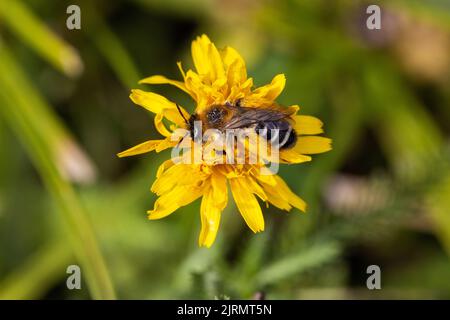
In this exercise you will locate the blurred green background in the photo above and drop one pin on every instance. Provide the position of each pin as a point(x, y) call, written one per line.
point(381, 196)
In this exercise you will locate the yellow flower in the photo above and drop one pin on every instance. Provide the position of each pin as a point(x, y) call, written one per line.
point(221, 77)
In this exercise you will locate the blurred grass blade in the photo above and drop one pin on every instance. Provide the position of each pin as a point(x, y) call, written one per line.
point(37, 139)
point(344, 131)
point(110, 47)
point(408, 135)
point(310, 257)
point(73, 163)
point(412, 142)
point(438, 202)
point(115, 53)
point(38, 274)
point(39, 37)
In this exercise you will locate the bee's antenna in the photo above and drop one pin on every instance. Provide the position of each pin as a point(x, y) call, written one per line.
point(181, 140)
point(181, 113)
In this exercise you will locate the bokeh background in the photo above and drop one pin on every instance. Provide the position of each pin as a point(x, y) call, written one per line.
point(381, 196)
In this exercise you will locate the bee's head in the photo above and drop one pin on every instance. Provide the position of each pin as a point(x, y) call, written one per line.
point(215, 115)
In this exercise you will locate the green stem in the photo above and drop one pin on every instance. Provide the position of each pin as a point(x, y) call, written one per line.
point(36, 141)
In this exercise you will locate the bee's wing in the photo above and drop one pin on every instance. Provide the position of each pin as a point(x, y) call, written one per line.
point(245, 117)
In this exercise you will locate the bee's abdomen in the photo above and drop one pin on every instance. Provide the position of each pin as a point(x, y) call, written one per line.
point(278, 133)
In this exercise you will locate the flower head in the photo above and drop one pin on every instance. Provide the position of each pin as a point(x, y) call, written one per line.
point(221, 79)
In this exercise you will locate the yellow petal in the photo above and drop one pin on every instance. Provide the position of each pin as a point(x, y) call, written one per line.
point(247, 85)
point(254, 187)
point(210, 218)
point(174, 199)
point(158, 79)
point(180, 67)
point(264, 175)
point(174, 116)
point(236, 71)
point(177, 175)
point(144, 147)
point(268, 92)
point(166, 144)
point(312, 145)
point(269, 184)
point(293, 109)
point(168, 178)
point(231, 56)
point(160, 125)
point(277, 200)
point(159, 105)
point(163, 167)
point(292, 156)
point(307, 125)
point(217, 70)
point(199, 51)
point(207, 59)
point(219, 186)
point(202, 92)
point(151, 101)
point(247, 205)
point(291, 197)
point(277, 191)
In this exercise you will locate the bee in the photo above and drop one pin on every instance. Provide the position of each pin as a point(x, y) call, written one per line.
point(273, 123)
